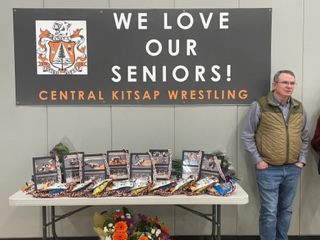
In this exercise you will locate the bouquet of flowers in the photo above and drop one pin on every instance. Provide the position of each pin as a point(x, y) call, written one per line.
point(122, 225)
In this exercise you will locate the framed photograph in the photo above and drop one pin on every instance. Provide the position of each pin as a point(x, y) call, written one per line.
point(118, 158)
point(162, 163)
point(209, 174)
point(46, 170)
point(119, 173)
point(190, 171)
point(191, 158)
point(140, 160)
point(143, 175)
point(161, 156)
point(44, 165)
point(95, 176)
point(191, 161)
point(71, 176)
point(44, 180)
point(94, 163)
point(162, 172)
point(211, 164)
point(72, 167)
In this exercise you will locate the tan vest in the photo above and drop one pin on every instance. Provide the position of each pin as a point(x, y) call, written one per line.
point(277, 142)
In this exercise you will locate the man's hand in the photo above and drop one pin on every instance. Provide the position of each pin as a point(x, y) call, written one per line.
point(261, 165)
point(300, 164)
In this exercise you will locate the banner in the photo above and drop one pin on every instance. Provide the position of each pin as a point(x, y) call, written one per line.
point(141, 56)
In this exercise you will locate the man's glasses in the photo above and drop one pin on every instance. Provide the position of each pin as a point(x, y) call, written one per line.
point(286, 83)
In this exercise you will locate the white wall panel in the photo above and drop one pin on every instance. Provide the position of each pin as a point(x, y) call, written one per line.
point(76, 4)
point(206, 128)
point(287, 35)
point(310, 206)
point(139, 129)
point(88, 128)
point(207, 4)
point(23, 134)
point(141, 4)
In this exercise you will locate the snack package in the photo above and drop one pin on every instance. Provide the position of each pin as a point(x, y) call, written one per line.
point(82, 186)
point(29, 186)
point(223, 188)
point(117, 185)
point(56, 188)
point(139, 186)
point(161, 184)
point(100, 186)
point(182, 183)
point(202, 184)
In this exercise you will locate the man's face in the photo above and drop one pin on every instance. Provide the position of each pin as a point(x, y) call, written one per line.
point(284, 86)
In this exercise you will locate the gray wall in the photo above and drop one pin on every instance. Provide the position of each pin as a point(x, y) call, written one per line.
point(32, 131)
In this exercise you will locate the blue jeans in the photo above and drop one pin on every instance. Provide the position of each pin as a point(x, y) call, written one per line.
point(277, 188)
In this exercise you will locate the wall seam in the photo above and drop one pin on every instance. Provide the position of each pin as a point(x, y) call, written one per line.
point(302, 68)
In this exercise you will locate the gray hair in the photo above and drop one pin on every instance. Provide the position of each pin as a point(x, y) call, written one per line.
point(277, 74)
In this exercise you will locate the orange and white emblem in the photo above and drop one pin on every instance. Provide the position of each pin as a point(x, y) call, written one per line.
point(62, 50)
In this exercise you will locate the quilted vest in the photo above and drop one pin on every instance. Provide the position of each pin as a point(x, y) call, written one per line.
point(279, 142)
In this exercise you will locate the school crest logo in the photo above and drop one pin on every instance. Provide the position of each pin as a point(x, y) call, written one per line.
point(61, 47)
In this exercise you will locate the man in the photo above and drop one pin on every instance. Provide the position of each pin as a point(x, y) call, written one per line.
point(276, 136)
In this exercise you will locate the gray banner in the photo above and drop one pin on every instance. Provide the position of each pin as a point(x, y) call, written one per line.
point(141, 56)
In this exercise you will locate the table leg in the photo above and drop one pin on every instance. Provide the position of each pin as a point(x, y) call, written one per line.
point(53, 223)
point(218, 222)
point(44, 223)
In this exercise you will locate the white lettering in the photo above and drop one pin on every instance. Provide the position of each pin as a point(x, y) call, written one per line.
point(122, 20)
point(165, 21)
point(115, 71)
point(189, 16)
point(132, 72)
point(142, 18)
point(224, 19)
point(214, 70)
point(206, 23)
point(186, 73)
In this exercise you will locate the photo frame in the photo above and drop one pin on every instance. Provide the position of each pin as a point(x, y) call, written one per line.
point(161, 156)
point(118, 164)
point(72, 176)
point(144, 175)
point(44, 180)
point(119, 173)
point(211, 166)
point(140, 160)
point(46, 170)
point(117, 158)
point(141, 167)
point(162, 163)
point(191, 162)
point(72, 167)
point(95, 176)
point(94, 163)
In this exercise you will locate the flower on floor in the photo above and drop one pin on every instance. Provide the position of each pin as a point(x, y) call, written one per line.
point(121, 225)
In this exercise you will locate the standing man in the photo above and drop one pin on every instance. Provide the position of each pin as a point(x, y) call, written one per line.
point(276, 136)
